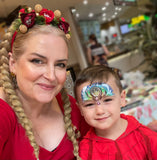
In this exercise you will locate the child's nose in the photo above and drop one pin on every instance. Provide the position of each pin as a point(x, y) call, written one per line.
point(99, 109)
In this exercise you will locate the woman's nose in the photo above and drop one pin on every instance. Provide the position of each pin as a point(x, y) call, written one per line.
point(50, 74)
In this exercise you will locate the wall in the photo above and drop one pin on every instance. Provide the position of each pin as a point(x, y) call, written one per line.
point(76, 52)
point(109, 33)
point(90, 27)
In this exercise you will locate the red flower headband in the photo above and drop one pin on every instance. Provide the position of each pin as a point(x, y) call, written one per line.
point(41, 16)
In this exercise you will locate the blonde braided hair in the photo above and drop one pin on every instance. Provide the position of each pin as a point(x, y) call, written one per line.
point(68, 123)
point(9, 89)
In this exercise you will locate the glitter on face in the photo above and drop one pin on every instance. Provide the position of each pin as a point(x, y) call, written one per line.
point(96, 91)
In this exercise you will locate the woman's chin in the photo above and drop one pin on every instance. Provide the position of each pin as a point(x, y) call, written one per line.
point(44, 99)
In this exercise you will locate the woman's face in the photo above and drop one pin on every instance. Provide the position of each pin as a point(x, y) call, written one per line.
point(41, 70)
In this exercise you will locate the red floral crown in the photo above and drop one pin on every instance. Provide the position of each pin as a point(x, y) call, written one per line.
point(41, 16)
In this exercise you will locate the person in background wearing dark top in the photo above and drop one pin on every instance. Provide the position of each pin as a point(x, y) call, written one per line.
point(113, 136)
point(38, 119)
point(96, 52)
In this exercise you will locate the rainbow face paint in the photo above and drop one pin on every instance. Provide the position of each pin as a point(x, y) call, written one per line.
point(96, 91)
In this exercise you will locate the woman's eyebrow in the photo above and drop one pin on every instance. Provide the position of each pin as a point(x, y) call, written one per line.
point(61, 60)
point(39, 55)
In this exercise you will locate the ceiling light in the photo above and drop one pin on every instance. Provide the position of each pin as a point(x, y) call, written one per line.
point(73, 10)
point(107, 3)
point(104, 19)
point(90, 15)
point(104, 14)
point(103, 8)
point(113, 16)
point(85, 2)
point(77, 15)
point(118, 9)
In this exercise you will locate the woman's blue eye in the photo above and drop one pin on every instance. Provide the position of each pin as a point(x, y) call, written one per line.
point(38, 61)
point(62, 65)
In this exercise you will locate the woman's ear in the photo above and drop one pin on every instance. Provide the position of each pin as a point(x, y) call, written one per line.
point(11, 63)
point(123, 98)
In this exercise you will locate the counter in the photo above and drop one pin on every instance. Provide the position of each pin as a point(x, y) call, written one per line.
point(126, 61)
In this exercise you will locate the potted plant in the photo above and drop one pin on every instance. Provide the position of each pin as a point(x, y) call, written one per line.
point(148, 44)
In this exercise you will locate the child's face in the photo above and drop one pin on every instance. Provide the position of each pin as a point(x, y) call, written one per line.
point(102, 114)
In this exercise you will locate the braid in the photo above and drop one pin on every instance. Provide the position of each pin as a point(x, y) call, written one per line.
point(8, 87)
point(68, 122)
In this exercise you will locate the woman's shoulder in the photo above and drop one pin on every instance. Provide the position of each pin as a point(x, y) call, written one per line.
point(76, 117)
point(8, 120)
point(72, 100)
point(3, 102)
point(6, 112)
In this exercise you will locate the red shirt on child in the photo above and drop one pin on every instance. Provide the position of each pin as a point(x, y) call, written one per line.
point(137, 142)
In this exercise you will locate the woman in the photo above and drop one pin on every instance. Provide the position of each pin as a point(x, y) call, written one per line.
point(38, 118)
point(96, 52)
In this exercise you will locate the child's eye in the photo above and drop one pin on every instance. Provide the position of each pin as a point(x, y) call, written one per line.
point(89, 104)
point(107, 100)
point(37, 61)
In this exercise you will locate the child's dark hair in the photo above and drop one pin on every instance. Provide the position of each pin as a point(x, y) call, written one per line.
point(97, 73)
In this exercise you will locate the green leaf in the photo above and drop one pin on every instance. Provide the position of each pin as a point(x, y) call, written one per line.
point(40, 20)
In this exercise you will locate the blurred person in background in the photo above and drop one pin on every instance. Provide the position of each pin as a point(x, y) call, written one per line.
point(96, 52)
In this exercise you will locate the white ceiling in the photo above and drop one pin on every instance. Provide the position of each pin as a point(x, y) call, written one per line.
point(95, 6)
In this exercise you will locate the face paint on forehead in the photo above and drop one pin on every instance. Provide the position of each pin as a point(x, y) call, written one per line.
point(96, 91)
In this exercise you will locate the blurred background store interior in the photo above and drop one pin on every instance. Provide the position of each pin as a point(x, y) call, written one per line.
point(127, 27)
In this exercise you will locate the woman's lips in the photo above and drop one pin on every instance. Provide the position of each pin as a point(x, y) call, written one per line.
point(46, 86)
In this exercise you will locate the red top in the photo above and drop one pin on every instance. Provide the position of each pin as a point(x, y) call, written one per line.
point(137, 143)
point(14, 144)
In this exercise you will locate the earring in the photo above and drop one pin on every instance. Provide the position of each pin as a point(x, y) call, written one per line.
point(13, 77)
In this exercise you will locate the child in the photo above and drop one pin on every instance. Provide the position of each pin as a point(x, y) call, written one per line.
point(112, 135)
